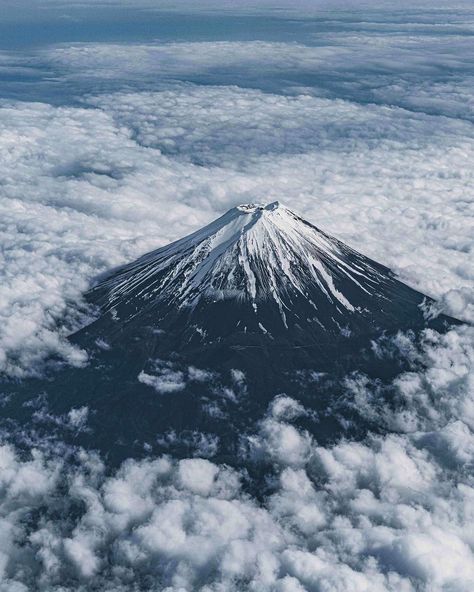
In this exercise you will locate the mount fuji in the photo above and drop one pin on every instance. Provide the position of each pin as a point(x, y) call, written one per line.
point(192, 341)
point(259, 274)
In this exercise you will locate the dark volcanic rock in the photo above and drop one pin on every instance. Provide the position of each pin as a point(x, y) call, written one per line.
point(193, 340)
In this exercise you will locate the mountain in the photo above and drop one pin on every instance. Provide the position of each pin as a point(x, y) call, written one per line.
point(259, 274)
point(193, 340)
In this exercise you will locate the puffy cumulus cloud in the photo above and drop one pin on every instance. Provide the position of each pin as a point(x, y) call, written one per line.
point(277, 440)
point(388, 514)
point(75, 419)
point(155, 524)
point(167, 377)
point(457, 302)
point(168, 381)
point(445, 389)
point(203, 445)
point(437, 391)
point(68, 211)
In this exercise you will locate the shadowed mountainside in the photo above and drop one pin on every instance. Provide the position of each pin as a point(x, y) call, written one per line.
point(192, 341)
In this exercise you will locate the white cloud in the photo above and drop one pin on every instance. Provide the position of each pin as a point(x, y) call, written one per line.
point(197, 475)
point(78, 417)
point(167, 381)
point(388, 514)
point(84, 189)
point(173, 60)
point(199, 375)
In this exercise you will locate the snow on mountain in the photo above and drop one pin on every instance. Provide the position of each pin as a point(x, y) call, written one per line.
point(257, 255)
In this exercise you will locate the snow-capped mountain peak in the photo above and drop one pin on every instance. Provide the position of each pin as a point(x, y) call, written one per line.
point(280, 272)
point(253, 252)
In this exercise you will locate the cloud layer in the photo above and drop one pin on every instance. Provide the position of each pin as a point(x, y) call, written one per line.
point(366, 131)
point(388, 514)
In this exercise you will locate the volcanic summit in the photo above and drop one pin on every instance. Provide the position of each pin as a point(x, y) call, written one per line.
point(257, 270)
point(198, 336)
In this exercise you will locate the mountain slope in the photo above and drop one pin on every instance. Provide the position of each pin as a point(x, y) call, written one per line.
point(259, 270)
point(192, 341)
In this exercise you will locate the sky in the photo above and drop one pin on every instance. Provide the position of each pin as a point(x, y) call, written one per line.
point(125, 125)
